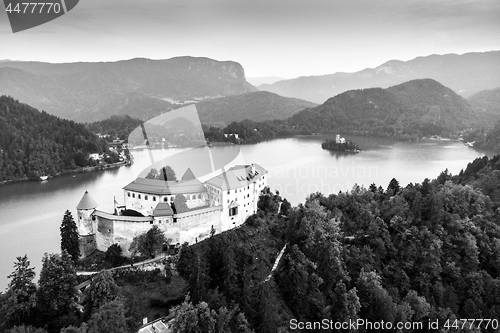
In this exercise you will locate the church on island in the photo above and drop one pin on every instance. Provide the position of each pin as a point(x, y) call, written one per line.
point(222, 202)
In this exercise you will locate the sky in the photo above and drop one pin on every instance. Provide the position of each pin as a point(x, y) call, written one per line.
point(283, 38)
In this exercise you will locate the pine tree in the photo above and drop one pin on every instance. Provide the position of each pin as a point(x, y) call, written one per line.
point(102, 290)
point(69, 236)
point(20, 297)
point(56, 294)
point(109, 318)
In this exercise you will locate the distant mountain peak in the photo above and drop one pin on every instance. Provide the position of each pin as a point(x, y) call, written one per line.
point(467, 73)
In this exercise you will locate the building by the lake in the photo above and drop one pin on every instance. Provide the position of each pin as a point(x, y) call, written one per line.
point(222, 202)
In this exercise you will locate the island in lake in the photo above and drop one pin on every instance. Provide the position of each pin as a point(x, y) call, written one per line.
point(340, 144)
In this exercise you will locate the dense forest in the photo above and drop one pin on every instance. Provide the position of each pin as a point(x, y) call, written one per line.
point(424, 253)
point(115, 127)
point(34, 144)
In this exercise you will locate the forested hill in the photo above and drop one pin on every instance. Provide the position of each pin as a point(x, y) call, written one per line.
point(410, 110)
point(140, 87)
point(486, 100)
point(422, 253)
point(257, 106)
point(413, 109)
point(34, 144)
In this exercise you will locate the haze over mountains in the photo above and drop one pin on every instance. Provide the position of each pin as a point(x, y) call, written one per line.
point(94, 91)
point(257, 106)
point(486, 100)
point(466, 74)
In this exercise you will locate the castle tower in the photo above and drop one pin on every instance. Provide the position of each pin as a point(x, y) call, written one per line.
point(85, 224)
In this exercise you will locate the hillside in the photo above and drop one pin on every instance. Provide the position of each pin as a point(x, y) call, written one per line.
point(116, 127)
point(34, 144)
point(466, 74)
point(141, 88)
point(413, 109)
point(257, 106)
point(486, 100)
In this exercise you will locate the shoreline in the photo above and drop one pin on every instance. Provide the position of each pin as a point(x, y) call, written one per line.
point(68, 172)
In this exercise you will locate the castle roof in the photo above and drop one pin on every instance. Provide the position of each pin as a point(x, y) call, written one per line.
point(188, 175)
point(123, 218)
point(237, 176)
point(87, 202)
point(161, 187)
point(163, 209)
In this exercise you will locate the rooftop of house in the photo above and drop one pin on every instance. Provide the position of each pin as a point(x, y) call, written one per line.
point(161, 187)
point(237, 176)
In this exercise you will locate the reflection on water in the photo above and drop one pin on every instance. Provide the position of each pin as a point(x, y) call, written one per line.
point(31, 212)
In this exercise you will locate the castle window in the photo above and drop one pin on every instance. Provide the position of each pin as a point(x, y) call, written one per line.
point(145, 197)
point(235, 191)
point(165, 199)
point(193, 196)
point(233, 211)
point(133, 195)
point(228, 192)
point(138, 196)
point(248, 187)
point(172, 199)
point(151, 222)
point(199, 196)
point(128, 194)
point(154, 198)
point(227, 200)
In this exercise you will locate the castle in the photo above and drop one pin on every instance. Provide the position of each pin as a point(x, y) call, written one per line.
point(222, 202)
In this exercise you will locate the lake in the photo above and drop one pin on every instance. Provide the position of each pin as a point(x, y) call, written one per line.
point(31, 212)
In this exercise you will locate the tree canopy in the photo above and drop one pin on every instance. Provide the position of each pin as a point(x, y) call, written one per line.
point(149, 243)
point(69, 236)
point(165, 173)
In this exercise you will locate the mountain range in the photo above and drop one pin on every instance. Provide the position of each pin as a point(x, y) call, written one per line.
point(138, 87)
point(466, 74)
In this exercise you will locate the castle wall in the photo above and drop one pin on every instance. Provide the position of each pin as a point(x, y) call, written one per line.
point(195, 226)
point(104, 235)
